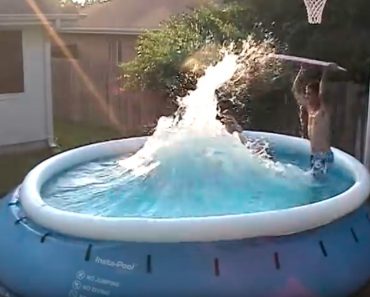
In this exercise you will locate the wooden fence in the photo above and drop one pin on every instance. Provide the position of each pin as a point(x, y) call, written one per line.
point(134, 113)
point(95, 97)
point(350, 117)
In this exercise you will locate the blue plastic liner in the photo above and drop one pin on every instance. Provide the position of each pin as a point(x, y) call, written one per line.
point(333, 260)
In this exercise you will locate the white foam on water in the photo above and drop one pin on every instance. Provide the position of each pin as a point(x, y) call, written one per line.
point(190, 166)
point(196, 131)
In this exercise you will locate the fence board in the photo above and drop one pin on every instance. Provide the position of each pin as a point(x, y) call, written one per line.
point(135, 112)
point(73, 101)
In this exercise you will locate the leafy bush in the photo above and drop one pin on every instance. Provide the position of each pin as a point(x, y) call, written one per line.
point(173, 57)
point(341, 37)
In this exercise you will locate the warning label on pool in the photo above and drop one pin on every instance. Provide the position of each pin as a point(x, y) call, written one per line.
point(102, 281)
point(86, 284)
point(115, 264)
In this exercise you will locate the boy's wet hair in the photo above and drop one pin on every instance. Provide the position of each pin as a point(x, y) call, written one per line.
point(314, 86)
point(225, 104)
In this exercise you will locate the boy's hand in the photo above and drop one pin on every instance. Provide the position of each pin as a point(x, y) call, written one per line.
point(332, 67)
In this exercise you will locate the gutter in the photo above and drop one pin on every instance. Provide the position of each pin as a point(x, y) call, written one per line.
point(115, 31)
point(32, 19)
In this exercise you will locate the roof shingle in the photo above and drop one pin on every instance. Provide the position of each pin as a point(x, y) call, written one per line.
point(23, 7)
point(133, 14)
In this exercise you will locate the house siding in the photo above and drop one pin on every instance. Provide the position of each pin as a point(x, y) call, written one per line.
point(23, 116)
point(94, 95)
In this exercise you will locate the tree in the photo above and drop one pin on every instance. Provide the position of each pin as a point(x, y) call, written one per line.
point(173, 57)
point(164, 56)
point(81, 2)
point(341, 37)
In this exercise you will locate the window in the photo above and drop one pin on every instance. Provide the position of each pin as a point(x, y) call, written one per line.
point(11, 62)
point(115, 51)
point(57, 52)
point(119, 51)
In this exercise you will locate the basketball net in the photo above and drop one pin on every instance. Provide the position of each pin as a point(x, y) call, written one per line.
point(315, 8)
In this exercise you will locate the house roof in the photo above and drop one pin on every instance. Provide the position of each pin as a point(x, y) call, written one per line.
point(28, 12)
point(129, 16)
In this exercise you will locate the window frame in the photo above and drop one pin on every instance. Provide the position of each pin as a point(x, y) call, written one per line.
point(14, 95)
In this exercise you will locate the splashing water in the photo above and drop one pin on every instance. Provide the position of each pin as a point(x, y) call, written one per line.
point(197, 125)
point(191, 166)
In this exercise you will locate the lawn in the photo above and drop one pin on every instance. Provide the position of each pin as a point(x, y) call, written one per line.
point(14, 167)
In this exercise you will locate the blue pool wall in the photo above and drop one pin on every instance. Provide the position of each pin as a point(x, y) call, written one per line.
point(190, 229)
point(333, 260)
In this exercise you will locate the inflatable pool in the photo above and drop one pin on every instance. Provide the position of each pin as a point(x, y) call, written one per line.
point(319, 249)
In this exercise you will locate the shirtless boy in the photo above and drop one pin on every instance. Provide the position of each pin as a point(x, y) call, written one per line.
point(224, 115)
point(313, 100)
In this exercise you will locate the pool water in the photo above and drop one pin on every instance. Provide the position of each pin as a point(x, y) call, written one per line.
point(191, 166)
point(202, 177)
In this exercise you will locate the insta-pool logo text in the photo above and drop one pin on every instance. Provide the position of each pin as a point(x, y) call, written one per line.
point(116, 264)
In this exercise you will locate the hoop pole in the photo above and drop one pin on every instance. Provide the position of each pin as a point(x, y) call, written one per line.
point(367, 137)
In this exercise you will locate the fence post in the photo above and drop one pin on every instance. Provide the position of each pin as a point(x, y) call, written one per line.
point(367, 135)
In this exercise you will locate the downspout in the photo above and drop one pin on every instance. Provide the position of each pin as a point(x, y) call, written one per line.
point(48, 90)
point(367, 135)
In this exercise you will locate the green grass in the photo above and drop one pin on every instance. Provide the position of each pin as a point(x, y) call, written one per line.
point(14, 167)
point(70, 135)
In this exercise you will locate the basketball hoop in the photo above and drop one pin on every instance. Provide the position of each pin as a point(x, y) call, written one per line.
point(315, 8)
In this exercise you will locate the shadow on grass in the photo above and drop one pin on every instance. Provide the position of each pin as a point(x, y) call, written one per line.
point(15, 166)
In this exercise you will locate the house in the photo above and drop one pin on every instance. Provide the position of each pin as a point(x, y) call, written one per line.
point(26, 119)
point(104, 38)
point(109, 30)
